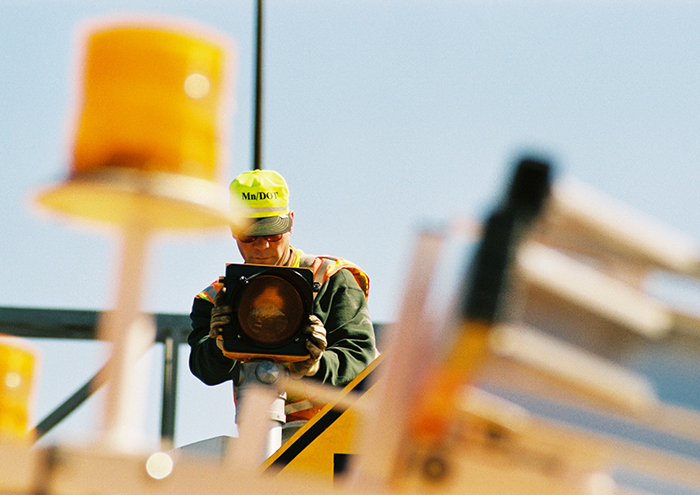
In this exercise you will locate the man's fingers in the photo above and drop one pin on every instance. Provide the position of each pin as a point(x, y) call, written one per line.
point(220, 296)
point(220, 319)
point(316, 332)
point(220, 315)
point(318, 341)
point(219, 310)
point(314, 350)
point(315, 343)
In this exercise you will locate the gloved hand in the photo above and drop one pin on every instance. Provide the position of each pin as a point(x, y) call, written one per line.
point(316, 343)
point(220, 316)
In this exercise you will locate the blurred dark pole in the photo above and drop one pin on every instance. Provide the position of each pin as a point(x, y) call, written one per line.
point(257, 134)
point(169, 399)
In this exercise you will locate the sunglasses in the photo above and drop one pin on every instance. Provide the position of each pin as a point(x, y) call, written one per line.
point(269, 238)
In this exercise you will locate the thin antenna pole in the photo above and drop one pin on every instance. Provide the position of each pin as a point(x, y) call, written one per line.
point(257, 135)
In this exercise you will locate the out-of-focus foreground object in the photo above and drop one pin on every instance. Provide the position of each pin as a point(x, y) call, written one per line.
point(150, 128)
point(457, 401)
point(563, 317)
point(18, 365)
point(147, 156)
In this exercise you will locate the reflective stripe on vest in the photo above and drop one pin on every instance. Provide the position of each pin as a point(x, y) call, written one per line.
point(209, 294)
point(302, 410)
point(324, 267)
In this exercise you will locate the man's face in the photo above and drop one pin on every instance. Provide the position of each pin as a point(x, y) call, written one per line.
point(264, 252)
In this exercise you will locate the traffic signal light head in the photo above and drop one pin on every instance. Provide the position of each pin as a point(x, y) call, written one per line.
point(270, 306)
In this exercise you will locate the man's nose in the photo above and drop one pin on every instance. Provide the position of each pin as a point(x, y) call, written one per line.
point(261, 242)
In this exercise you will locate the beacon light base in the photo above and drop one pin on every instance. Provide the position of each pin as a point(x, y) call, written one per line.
point(161, 200)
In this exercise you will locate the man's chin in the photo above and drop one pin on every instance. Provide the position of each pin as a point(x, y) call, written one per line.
point(262, 261)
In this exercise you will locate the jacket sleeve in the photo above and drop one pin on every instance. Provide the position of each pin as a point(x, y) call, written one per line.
point(206, 360)
point(342, 307)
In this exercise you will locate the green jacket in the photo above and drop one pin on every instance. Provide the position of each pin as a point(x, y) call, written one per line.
point(342, 307)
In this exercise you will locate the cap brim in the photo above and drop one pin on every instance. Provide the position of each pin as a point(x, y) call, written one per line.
point(270, 226)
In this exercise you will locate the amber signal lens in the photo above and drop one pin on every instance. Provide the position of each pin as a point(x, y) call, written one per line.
point(270, 310)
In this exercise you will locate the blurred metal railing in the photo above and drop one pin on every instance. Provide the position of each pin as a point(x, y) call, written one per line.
point(39, 323)
point(171, 331)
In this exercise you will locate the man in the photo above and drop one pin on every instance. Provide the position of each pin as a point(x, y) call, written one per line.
point(340, 335)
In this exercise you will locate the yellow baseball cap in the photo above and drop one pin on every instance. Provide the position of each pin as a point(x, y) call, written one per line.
point(264, 198)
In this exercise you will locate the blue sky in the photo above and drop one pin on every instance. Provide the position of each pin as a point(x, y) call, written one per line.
point(383, 116)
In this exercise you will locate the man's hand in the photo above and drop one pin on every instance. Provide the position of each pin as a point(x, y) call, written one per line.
point(316, 343)
point(220, 316)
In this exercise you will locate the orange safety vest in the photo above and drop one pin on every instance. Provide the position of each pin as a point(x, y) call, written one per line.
point(323, 267)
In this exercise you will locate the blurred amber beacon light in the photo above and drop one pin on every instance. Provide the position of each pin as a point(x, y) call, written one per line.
point(149, 128)
point(17, 366)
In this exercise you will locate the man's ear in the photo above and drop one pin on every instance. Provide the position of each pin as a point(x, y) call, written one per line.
point(291, 217)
